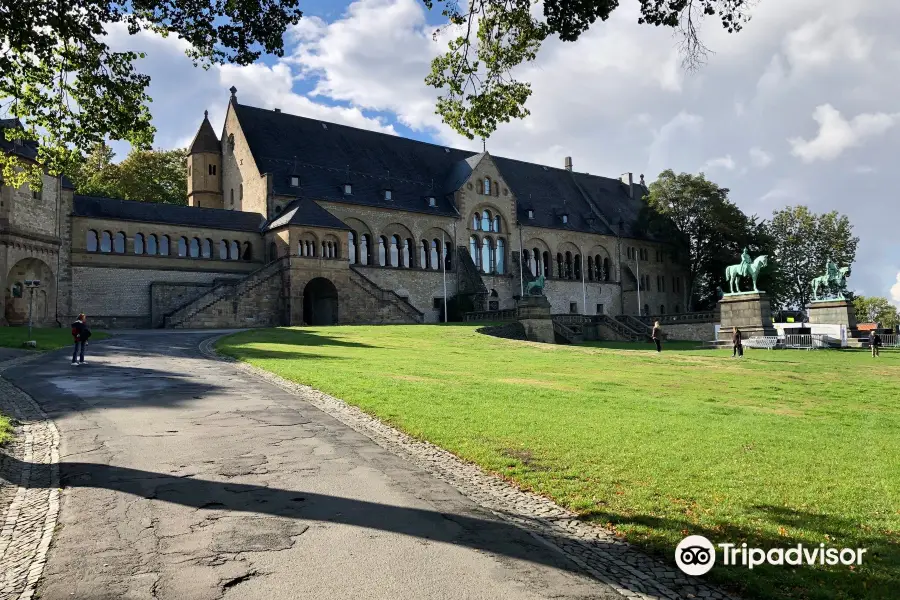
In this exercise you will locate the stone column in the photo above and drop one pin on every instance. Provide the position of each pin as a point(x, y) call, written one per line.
point(534, 315)
point(749, 312)
point(832, 312)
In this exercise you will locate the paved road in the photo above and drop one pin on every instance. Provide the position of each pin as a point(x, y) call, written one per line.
point(186, 478)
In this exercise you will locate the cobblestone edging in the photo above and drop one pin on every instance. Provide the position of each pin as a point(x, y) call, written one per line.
point(29, 520)
point(596, 550)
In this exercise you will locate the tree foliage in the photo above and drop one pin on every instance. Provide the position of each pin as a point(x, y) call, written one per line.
point(876, 309)
point(144, 175)
point(804, 241)
point(72, 91)
point(475, 75)
point(709, 230)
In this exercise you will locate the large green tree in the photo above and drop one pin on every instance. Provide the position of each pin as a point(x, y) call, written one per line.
point(710, 231)
point(804, 241)
point(144, 175)
point(875, 309)
point(58, 75)
point(476, 74)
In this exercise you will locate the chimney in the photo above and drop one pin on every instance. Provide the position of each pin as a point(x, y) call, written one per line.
point(568, 163)
point(277, 110)
point(628, 179)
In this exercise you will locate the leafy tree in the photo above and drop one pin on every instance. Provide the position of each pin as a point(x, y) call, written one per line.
point(145, 175)
point(475, 74)
point(875, 309)
point(708, 229)
point(804, 241)
point(72, 91)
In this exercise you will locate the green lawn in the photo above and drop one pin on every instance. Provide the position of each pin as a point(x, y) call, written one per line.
point(6, 429)
point(46, 338)
point(779, 448)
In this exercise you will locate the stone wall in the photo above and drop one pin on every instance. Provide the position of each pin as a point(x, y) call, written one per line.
point(697, 332)
point(168, 296)
point(240, 172)
point(418, 286)
point(20, 210)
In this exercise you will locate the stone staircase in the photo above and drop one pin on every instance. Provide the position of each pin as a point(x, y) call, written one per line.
point(636, 325)
point(618, 330)
point(388, 299)
point(257, 300)
point(565, 334)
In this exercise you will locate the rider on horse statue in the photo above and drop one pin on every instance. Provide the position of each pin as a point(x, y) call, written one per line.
point(832, 271)
point(745, 264)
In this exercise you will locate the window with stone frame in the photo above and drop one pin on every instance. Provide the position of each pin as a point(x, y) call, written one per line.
point(119, 243)
point(139, 243)
point(164, 245)
point(91, 241)
point(152, 244)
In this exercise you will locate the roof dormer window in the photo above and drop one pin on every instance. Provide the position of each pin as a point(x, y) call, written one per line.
point(432, 202)
point(530, 213)
point(565, 219)
point(348, 189)
point(388, 196)
point(295, 181)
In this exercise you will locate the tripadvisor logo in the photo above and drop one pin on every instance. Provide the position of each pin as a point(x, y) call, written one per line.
point(696, 555)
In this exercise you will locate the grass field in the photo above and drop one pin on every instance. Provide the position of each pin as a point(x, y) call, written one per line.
point(779, 448)
point(46, 338)
point(6, 429)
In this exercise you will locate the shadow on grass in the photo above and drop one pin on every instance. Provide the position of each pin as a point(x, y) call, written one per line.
point(248, 353)
point(648, 346)
point(877, 578)
point(291, 337)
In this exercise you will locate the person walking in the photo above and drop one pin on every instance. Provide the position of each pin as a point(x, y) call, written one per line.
point(656, 335)
point(874, 342)
point(737, 344)
point(80, 332)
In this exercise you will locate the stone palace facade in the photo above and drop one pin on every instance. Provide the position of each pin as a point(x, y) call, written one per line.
point(291, 220)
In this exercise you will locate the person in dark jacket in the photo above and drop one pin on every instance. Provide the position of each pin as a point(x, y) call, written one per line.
point(656, 335)
point(80, 332)
point(737, 344)
point(874, 342)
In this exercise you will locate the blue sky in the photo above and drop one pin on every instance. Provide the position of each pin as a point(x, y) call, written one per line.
point(796, 109)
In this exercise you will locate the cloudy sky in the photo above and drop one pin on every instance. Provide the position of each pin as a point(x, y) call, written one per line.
point(802, 107)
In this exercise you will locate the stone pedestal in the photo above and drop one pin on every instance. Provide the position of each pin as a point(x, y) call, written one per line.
point(832, 312)
point(748, 312)
point(534, 315)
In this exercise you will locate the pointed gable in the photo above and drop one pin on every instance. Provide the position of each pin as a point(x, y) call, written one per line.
point(206, 139)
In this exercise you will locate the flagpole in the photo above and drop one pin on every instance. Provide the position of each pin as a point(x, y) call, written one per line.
point(638, 266)
point(521, 275)
point(444, 269)
point(583, 289)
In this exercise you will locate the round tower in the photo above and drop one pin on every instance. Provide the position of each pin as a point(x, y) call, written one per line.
point(204, 184)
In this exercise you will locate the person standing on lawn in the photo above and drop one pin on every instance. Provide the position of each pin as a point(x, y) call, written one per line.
point(874, 342)
point(80, 332)
point(737, 344)
point(657, 336)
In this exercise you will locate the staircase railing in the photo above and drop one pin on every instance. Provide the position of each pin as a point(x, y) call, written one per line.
point(388, 295)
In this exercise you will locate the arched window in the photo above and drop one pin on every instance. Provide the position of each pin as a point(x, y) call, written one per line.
point(232, 196)
point(560, 269)
point(119, 243)
point(351, 247)
point(448, 262)
point(395, 251)
point(182, 246)
point(487, 187)
point(434, 258)
point(476, 222)
point(248, 251)
point(195, 247)
point(605, 269)
point(423, 255)
point(501, 256)
point(408, 253)
point(646, 310)
point(662, 309)
point(382, 251)
point(17, 290)
point(497, 224)
point(91, 240)
point(487, 255)
point(364, 242)
point(577, 271)
point(568, 265)
point(590, 268)
point(546, 262)
point(206, 248)
point(301, 248)
point(164, 245)
point(486, 220)
point(273, 251)
point(240, 192)
point(234, 251)
point(138, 243)
point(223, 250)
point(152, 244)
point(475, 250)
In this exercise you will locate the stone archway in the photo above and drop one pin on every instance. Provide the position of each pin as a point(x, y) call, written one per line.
point(320, 302)
point(17, 296)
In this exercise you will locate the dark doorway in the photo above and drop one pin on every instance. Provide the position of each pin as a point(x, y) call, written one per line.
point(320, 302)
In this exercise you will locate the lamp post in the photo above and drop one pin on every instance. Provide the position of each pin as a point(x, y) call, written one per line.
point(31, 284)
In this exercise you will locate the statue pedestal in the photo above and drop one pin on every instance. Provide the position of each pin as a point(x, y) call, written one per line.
point(832, 312)
point(534, 315)
point(748, 312)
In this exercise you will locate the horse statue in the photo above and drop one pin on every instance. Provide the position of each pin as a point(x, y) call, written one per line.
point(830, 281)
point(733, 273)
point(537, 284)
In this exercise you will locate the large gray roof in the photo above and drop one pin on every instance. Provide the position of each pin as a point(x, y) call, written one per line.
point(304, 211)
point(169, 214)
point(324, 156)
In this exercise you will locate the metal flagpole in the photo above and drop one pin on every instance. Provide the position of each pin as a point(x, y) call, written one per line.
point(638, 266)
point(444, 269)
point(583, 289)
point(521, 275)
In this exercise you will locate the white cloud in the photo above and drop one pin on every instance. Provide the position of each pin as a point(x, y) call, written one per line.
point(836, 134)
point(895, 291)
point(759, 157)
point(819, 44)
point(722, 162)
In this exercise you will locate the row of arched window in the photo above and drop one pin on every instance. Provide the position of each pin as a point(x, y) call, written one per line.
point(568, 265)
point(485, 221)
point(488, 254)
point(325, 249)
point(153, 245)
point(395, 251)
